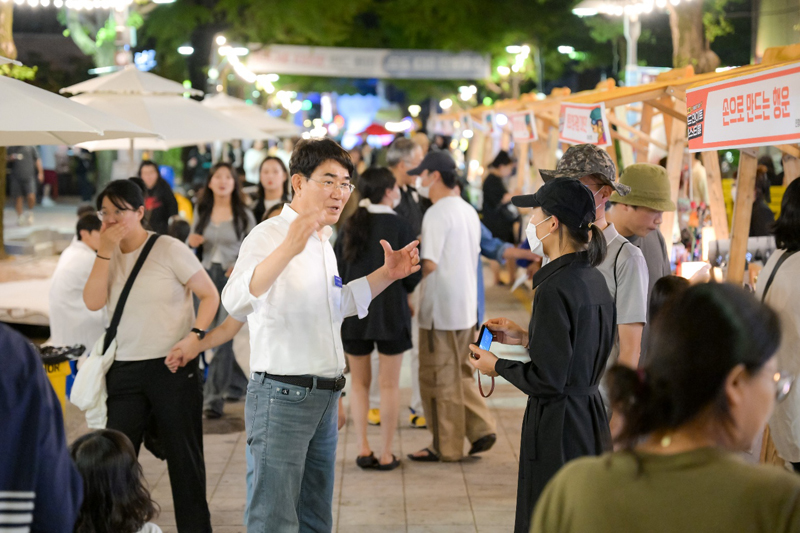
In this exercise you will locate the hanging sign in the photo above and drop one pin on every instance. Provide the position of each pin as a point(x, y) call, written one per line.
point(759, 109)
point(523, 126)
point(584, 124)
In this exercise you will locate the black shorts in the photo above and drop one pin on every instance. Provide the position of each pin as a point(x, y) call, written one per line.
point(359, 347)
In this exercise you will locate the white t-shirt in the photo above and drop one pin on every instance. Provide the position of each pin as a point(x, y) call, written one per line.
point(159, 310)
point(150, 527)
point(451, 238)
point(70, 321)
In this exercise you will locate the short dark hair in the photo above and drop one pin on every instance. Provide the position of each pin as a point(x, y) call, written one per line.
point(121, 192)
point(115, 497)
point(179, 228)
point(502, 158)
point(88, 223)
point(689, 360)
point(86, 209)
point(449, 178)
point(787, 227)
point(308, 154)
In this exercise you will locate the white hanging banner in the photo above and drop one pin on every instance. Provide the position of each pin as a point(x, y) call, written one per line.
point(584, 124)
point(523, 126)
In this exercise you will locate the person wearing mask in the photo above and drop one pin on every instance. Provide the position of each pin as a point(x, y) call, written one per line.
point(637, 217)
point(158, 313)
point(221, 223)
point(71, 322)
point(253, 158)
point(498, 213)
point(783, 295)
point(287, 284)
point(115, 495)
point(569, 338)
point(25, 173)
point(273, 186)
point(388, 326)
point(451, 235)
point(401, 156)
point(703, 396)
point(159, 201)
point(624, 267)
point(40, 488)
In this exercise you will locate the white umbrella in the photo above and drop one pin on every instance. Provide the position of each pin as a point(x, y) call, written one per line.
point(32, 116)
point(130, 80)
point(178, 121)
point(5, 61)
point(251, 115)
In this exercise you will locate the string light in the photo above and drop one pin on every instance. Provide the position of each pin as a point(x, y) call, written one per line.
point(631, 8)
point(78, 5)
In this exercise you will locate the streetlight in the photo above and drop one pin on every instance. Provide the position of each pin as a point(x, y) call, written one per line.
point(185, 50)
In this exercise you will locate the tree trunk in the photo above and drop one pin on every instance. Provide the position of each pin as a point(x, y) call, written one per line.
point(7, 49)
point(689, 43)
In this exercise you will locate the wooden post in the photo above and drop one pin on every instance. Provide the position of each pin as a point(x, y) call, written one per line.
point(523, 166)
point(742, 212)
point(625, 148)
point(505, 140)
point(474, 154)
point(645, 127)
point(716, 200)
point(677, 144)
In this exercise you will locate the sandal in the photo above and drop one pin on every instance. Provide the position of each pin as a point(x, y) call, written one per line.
point(429, 456)
point(367, 461)
point(391, 466)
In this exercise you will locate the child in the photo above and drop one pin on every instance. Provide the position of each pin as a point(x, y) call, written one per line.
point(114, 494)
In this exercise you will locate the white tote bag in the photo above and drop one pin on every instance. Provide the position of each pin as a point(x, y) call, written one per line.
point(89, 388)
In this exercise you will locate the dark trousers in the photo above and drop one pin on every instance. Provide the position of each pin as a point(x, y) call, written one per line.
point(138, 390)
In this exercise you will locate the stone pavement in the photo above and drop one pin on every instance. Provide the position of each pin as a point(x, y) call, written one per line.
point(476, 495)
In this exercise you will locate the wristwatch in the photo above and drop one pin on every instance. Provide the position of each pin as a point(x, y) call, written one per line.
point(201, 333)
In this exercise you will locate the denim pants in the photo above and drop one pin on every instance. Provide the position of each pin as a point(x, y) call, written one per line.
point(292, 435)
point(225, 376)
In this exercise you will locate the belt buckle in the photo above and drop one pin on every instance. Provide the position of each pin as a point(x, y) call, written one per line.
point(339, 384)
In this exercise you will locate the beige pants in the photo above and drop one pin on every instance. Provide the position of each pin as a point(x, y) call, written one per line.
point(453, 406)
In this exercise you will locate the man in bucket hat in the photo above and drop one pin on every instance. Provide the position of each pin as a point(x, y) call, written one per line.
point(624, 267)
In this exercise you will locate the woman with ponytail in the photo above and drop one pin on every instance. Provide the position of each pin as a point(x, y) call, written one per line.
point(359, 251)
point(705, 393)
point(569, 338)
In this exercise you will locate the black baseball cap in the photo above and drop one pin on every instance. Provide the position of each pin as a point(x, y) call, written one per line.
point(438, 160)
point(569, 200)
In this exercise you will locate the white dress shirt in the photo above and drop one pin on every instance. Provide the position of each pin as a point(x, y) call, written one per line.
point(71, 322)
point(292, 330)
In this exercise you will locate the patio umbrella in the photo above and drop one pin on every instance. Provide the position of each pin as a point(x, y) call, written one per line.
point(32, 116)
point(253, 116)
point(5, 61)
point(130, 80)
point(376, 129)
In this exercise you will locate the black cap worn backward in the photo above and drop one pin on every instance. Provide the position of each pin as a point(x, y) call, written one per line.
point(587, 159)
point(569, 200)
point(438, 160)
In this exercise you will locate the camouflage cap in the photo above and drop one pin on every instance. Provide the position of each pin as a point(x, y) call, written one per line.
point(583, 160)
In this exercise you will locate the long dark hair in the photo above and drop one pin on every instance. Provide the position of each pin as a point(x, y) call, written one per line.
point(158, 173)
point(372, 185)
point(115, 497)
point(699, 338)
point(262, 194)
point(205, 203)
point(787, 227)
point(595, 247)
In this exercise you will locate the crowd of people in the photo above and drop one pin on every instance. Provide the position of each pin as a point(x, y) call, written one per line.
point(641, 387)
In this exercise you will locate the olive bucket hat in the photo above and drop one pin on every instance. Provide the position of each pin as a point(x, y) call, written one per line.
point(649, 186)
point(585, 159)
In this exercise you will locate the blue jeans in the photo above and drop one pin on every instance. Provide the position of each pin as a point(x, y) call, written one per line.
point(292, 435)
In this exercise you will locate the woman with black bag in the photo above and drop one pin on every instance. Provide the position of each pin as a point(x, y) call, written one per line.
point(158, 312)
point(221, 223)
point(569, 339)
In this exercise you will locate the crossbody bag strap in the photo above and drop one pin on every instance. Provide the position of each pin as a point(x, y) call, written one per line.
point(111, 332)
point(616, 283)
point(784, 257)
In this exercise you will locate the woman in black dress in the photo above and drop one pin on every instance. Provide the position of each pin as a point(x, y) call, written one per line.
point(388, 325)
point(569, 338)
point(498, 214)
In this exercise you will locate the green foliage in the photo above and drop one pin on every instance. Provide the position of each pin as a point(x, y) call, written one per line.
point(23, 72)
point(107, 33)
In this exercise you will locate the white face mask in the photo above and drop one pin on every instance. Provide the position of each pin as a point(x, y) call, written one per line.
point(423, 191)
point(534, 241)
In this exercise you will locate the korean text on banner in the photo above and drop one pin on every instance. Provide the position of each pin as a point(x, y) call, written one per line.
point(584, 124)
point(753, 110)
point(523, 126)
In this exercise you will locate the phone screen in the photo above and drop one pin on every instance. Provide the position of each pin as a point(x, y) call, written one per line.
point(485, 338)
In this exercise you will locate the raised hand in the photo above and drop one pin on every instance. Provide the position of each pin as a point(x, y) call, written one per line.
point(507, 332)
point(403, 262)
point(110, 236)
point(301, 229)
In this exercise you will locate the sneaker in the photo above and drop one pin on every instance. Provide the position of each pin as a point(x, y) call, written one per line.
point(416, 421)
point(374, 417)
point(30, 218)
point(21, 220)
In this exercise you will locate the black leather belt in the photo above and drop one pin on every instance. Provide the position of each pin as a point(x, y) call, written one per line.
point(334, 384)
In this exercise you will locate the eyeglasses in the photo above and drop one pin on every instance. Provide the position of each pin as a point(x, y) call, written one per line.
point(330, 185)
point(116, 212)
point(783, 385)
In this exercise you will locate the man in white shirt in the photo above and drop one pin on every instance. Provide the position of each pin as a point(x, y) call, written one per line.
point(451, 235)
point(70, 321)
point(287, 284)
